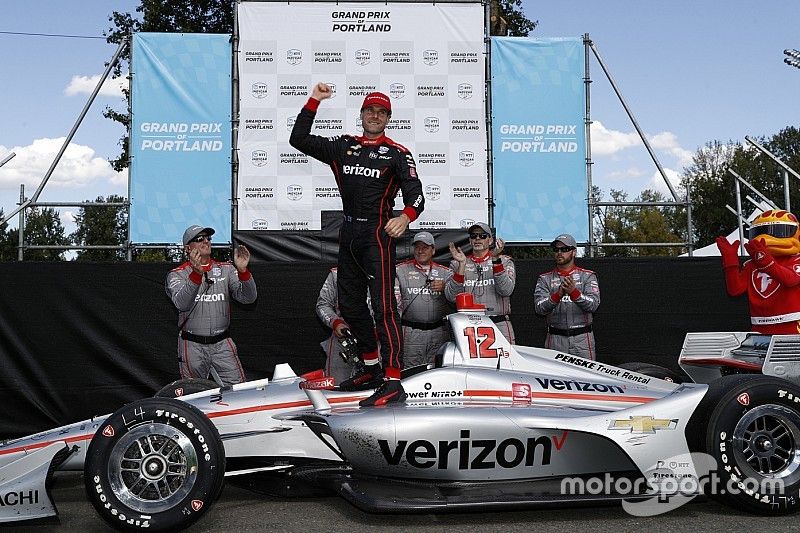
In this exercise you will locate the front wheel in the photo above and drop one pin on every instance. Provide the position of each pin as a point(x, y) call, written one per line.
point(751, 426)
point(158, 464)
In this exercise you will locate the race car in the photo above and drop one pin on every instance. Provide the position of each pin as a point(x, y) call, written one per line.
point(490, 425)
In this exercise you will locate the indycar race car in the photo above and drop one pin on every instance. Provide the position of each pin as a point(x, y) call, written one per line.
point(490, 425)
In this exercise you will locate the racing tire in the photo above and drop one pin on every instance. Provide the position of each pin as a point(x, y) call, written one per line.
point(155, 464)
point(750, 425)
point(182, 387)
point(655, 371)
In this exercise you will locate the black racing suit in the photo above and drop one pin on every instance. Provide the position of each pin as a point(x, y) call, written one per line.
point(369, 173)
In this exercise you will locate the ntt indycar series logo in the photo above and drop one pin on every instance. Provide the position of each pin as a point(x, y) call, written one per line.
point(431, 124)
point(259, 90)
point(294, 192)
point(464, 91)
point(294, 56)
point(397, 90)
point(430, 57)
point(433, 192)
point(362, 56)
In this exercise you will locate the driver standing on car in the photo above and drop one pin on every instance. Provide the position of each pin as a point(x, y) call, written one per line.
point(201, 289)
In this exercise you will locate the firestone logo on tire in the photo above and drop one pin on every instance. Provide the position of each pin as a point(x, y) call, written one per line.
point(430, 57)
point(259, 90)
point(397, 90)
point(362, 56)
point(294, 192)
point(294, 56)
point(464, 91)
point(433, 192)
point(259, 158)
point(431, 124)
point(466, 158)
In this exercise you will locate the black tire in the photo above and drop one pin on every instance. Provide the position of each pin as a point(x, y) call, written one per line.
point(751, 426)
point(157, 463)
point(655, 371)
point(182, 387)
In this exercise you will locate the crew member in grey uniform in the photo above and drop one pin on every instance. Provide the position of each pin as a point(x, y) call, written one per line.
point(568, 296)
point(422, 302)
point(201, 289)
point(488, 274)
point(328, 312)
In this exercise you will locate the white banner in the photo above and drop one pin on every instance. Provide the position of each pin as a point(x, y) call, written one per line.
point(428, 58)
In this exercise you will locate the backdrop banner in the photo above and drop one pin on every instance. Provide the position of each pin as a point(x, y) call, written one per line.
point(428, 57)
point(538, 138)
point(180, 172)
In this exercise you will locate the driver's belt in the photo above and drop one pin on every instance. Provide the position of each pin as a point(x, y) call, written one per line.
point(426, 326)
point(569, 332)
point(202, 339)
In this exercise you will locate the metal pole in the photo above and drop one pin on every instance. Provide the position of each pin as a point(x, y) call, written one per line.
point(689, 225)
point(786, 200)
point(74, 129)
point(487, 39)
point(129, 251)
point(21, 224)
point(235, 122)
point(587, 81)
point(7, 158)
point(635, 124)
point(739, 217)
point(749, 186)
point(783, 165)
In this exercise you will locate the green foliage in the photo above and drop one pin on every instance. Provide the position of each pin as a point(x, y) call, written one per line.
point(712, 187)
point(43, 227)
point(508, 18)
point(101, 225)
point(643, 224)
point(8, 241)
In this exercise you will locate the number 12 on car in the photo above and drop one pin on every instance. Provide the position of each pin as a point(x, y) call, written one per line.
point(481, 341)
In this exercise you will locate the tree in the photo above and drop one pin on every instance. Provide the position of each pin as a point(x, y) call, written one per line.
point(43, 227)
point(713, 188)
point(8, 247)
point(508, 18)
point(632, 224)
point(99, 225)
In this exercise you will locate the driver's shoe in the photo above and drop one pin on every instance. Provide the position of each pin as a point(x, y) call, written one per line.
point(390, 392)
point(367, 377)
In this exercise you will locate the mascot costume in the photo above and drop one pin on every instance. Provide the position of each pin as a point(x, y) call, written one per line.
point(771, 276)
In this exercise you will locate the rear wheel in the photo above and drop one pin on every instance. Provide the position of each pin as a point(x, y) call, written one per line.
point(751, 426)
point(158, 464)
point(655, 371)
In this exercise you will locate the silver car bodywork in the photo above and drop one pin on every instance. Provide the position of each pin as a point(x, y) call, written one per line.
point(489, 412)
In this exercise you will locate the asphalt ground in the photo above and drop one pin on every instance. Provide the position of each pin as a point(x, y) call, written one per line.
point(241, 511)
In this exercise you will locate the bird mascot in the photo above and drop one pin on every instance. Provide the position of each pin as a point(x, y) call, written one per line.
point(771, 276)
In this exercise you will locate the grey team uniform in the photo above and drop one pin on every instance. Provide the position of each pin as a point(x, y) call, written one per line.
point(491, 285)
point(569, 318)
point(328, 312)
point(422, 311)
point(204, 312)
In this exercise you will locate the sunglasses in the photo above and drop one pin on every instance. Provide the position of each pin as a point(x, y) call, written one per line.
point(479, 236)
point(201, 238)
point(562, 249)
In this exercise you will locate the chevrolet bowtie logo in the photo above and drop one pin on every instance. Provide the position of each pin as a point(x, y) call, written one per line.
point(644, 424)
